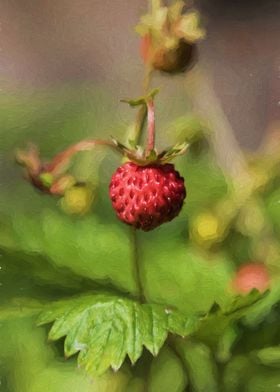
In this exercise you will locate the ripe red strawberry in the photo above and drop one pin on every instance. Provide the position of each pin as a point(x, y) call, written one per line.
point(147, 196)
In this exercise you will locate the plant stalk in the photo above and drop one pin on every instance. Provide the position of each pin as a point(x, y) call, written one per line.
point(140, 121)
point(139, 125)
point(137, 269)
point(62, 159)
point(151, 126)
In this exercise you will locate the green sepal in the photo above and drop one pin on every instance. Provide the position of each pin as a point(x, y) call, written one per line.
point(47, 179)
point(172, 152)
point(139, 156)
point(143, 99)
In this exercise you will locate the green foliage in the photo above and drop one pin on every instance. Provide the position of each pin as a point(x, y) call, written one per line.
point(167, 373)
point(269, 356)
point(105, 328)
point(31, 365)
point(233, 346)
point(200, 365)
point(216, 325)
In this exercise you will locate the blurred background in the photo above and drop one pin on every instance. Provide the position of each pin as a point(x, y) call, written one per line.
point(53, 43)
point(64, 66)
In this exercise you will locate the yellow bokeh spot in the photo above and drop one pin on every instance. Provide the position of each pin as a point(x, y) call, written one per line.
point(206, 227)
point(77, 199)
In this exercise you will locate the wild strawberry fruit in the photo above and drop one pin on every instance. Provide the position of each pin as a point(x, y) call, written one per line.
point(145, 192)
point(147, 196)
point(251, 276)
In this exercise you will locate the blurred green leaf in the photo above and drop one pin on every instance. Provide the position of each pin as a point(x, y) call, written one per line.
point(33, 366)
point(200, 365)
point(88, 247)
point(269, 356)
point(273, 208)
point(263, 380)
point(167, 373)
point(225, 344)
point(261, 309)
point(240, 304)
point(215, 324)
point(236, 374)
point(20, 307)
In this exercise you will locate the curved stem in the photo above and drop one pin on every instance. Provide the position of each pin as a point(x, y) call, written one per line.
point(137, 266)
point(142, 112)
point(62, 159)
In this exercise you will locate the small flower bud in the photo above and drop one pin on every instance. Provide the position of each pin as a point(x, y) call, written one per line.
point(169, 37)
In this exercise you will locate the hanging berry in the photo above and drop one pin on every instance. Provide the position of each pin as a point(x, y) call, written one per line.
point(147, 196)
point(145, 192)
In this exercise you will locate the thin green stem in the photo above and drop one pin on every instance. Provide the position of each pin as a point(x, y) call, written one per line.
point(140, 121)
point(139, 124)
point(137, 268)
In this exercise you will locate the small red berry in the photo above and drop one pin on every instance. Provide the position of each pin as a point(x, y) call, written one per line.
point(251, 276)
point(147, 196)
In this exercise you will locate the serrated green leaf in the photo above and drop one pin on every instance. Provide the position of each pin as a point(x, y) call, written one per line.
point(216, 322)
point(241, 303)
point(104, 328)
point(183, 326)
point(261, 309)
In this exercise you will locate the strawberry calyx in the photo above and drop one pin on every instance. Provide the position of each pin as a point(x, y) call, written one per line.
point(137, 154)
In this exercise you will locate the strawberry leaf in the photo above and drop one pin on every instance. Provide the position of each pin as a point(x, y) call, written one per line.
point(240, 304)
point(105, 328)
point(216, 322)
